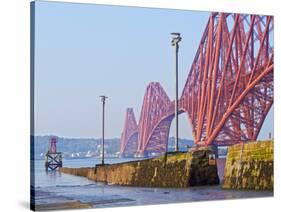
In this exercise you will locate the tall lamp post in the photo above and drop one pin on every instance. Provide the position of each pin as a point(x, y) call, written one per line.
point(103, 98)
point(176, 38)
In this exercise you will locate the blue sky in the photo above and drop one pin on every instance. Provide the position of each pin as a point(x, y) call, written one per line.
point(85, 50)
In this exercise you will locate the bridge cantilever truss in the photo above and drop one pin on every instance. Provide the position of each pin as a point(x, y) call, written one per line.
point(130, 134)
point(155, 120)
point(229, 88)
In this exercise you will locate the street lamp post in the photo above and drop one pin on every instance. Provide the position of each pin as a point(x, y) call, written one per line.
point(176, 38)
point(103, 105)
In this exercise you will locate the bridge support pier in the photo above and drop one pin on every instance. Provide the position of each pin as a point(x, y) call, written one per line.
point(215, 150)
point(143, 154)
point(124, 155)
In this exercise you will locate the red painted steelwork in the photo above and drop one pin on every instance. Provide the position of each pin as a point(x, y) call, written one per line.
point(228, 91)
point(154, 123)
point(129, 137)
point(53, 145)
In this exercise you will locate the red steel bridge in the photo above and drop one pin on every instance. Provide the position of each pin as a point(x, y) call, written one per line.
point(227, 94)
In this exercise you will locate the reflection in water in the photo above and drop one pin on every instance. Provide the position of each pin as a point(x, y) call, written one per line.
point(52, 174)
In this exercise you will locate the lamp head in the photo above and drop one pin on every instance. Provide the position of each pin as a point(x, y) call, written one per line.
point(176, 38)
point(103, 98)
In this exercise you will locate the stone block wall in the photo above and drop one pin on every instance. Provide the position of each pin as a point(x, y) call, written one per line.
point(249, 166)
point(172, 170)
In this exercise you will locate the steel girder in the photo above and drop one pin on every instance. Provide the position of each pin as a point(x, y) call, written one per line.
point(129, 136)
point(228, 91)
point(153, 129)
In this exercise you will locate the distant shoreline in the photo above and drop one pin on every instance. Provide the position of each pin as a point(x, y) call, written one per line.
point(42, 159)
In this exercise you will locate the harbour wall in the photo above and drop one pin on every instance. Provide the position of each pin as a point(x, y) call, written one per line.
point(171, 170)
point(249, 166)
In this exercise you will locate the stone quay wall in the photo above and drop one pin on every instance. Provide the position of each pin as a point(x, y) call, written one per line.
point(177, 170)
point(249, 166)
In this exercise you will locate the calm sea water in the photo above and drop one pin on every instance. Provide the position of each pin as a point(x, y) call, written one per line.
point(55, 187)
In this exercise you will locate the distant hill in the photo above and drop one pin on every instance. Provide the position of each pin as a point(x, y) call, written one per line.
point(89, 147)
